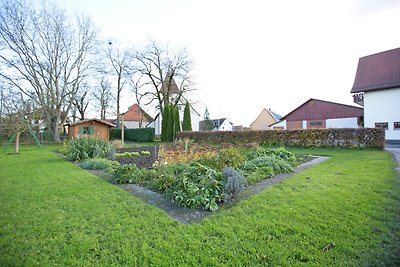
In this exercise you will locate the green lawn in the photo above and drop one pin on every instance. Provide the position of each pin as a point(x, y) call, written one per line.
point(54, 213)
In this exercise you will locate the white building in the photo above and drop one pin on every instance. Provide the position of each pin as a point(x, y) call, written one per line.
point(320, 114)
point(377, 88)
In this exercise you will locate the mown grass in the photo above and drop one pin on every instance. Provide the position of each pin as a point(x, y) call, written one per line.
point(54, 213)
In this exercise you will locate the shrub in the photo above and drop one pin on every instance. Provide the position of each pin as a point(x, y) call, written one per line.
point(98, 164)
point(228, 157)
point(134, 135)
point(350, 138)
point(85, 148)
point(264, 166)
point(232, 183)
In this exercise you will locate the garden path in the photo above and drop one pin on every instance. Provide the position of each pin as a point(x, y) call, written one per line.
point(186, 215)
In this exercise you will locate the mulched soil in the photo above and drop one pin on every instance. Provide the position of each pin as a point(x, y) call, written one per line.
point(142, 161)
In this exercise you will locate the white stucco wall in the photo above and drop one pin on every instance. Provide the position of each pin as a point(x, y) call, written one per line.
point(342, 123)
point(280, 124)
point(225, 126)
point(304, 124)
point(383, 106)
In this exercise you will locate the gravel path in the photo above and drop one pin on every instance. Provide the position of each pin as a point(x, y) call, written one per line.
point(185, 215)
point(396, 155)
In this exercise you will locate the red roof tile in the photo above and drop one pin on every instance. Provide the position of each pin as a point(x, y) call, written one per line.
point(315, 109)
point(378, 71)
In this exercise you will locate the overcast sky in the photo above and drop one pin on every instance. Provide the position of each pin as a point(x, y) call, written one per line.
point(249, 55)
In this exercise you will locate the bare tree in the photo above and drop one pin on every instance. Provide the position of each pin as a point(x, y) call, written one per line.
point(19, 116)
point(103, 97)
point(45, 56)
point(120, 60)
point(164, 74)
point(81, 101)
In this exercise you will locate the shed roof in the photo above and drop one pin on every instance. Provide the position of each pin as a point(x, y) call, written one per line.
point(378, 72)
point(315, 109)
point(93, 120)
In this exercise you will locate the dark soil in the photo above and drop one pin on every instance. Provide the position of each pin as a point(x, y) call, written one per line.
point(142, 161)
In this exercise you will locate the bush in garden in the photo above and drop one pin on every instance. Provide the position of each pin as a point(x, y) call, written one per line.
point(279, 152)
point(84, 148)
point(128, 173)
point(134, 135)
point(262, 167)
point(232, 183)
point(98, 164)
point(197, 186)
point(228, 157)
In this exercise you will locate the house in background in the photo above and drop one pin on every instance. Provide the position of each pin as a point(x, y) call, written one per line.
point(265, 119)
point(136, 117)
point(90, 127)
point(316, 113)
point(222, 125)
point(377, 87)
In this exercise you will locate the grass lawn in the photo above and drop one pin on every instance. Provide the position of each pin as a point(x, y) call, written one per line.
point(54, 213)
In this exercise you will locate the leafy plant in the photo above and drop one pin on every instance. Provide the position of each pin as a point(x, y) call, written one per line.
point(84, 148)
point(98, 164)
point(228, 157)
point(145, 153)
point(127, 154)
point(232, 183)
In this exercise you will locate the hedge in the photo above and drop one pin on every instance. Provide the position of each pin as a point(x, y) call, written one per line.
point(136, 135)
point(350, 138)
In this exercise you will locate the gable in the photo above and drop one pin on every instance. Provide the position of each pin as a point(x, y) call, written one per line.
point(133, 114)
point(266, 116)
point(378, 71)
point(315, 109)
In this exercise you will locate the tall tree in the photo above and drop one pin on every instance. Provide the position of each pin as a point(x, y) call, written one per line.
point(103, 97)
point(187, 121)
point(120, 60)
point(177, 122)
point(207, 124)
point(165, 74)
point(46, 55)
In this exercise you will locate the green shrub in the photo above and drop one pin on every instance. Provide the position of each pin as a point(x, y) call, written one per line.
point(98, 164)
point(229, 157)
point(134, 135)
point(197, 186)
point(263, 167)
point(279, 152)
point(127, 173)
point(232, 183)
point(145, 153)
point(84, 148)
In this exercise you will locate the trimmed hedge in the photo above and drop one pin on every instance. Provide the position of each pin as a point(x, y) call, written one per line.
point(136, 135)
point(350, 138)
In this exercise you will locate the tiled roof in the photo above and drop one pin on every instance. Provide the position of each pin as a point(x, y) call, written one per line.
point(93, 120)
point(378, 71)
point(315, 109)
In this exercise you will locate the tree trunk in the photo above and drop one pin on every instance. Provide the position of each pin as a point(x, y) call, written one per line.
point(17, 142)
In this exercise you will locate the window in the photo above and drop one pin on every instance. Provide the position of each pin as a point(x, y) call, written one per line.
point(315, 123)
point(383, 125)
point(86, 130)
point(396, 125)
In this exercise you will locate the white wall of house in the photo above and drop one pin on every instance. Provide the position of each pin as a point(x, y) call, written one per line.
point(342, 123)
point(383, 106)
point(226, 126)
point(304, 124)
point(280, 124)
point(133, 124)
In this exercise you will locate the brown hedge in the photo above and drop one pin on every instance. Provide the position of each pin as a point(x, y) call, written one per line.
point(371, 138)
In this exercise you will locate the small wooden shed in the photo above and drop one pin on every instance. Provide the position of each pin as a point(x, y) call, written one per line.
point(90, 127)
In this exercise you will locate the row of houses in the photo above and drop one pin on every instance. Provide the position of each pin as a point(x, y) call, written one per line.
point(376, 90)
